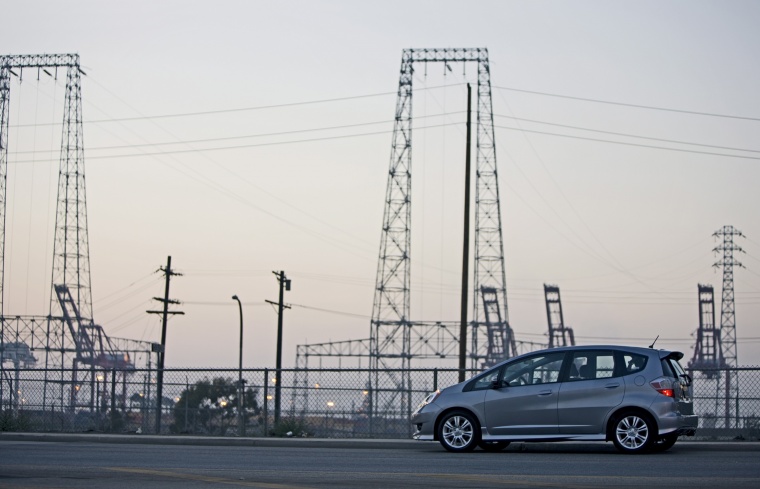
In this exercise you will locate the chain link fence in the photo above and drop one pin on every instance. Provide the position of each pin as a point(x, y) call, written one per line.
point(332, 403)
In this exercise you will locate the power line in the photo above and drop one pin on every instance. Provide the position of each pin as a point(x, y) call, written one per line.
point(638, 106)
point(681, 150)
point(232, 138)
point(626, 134)
point(375, 133)
point(199, 177)
point(232, 110)
point(241, 146)
point(217, 111)
point(211, 140)
point(331, 311)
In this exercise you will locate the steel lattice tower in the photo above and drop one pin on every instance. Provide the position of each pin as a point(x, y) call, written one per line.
point(67, 334)
point(729, 388)
point(394, 338)
point(71, 256)
point(5, 94)
point(727, 314)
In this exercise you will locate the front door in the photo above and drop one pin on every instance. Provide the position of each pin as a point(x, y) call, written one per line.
point(525, 400)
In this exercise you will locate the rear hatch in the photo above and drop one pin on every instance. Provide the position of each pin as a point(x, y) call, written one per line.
point(682, 389)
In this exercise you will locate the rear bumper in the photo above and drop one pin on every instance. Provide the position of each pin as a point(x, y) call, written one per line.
point(679, 424)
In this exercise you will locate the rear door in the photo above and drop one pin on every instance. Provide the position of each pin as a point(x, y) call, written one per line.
point(592, 389)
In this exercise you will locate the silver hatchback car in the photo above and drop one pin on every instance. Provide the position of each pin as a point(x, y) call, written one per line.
point(639, 398)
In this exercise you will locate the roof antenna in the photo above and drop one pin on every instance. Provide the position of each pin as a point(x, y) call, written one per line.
point(655, 341)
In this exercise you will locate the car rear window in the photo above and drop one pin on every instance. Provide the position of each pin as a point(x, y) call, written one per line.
point(667, 369)
point(672, 368)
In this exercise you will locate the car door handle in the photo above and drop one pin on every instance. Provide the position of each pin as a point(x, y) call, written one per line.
point(612, 386)
point(545, 393)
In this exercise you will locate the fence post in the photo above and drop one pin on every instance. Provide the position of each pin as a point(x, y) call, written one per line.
point(738, 385)
point(435, 379)
point(266, 402)
point(113, 397)
point(371, 393)
point(727, 396)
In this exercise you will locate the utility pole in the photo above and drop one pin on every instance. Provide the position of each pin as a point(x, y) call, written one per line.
point(466, 246)
point(284, 285)
point(168, 273)
point(241, 385)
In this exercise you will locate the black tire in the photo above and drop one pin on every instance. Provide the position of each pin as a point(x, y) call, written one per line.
point(633, 432)
point(458, 431)
point(493, 446)
point(665, 443)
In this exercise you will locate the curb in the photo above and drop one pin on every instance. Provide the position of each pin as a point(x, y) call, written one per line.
point(346, 443)
point(134, 439)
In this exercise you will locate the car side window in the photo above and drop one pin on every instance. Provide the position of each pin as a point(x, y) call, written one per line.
point(539, 369)
point(634, 362)
point(589, 365)
point(485, 381)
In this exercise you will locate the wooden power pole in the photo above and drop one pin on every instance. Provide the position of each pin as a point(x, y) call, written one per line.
point(165, 312)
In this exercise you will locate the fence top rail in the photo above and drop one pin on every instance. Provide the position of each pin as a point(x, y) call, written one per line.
point(327, 370)
point(749, 368)
point(261, 369)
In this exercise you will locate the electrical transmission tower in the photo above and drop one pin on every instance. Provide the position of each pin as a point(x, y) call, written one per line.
point(727, 312)
point(394, 337)
point(67, 334)
point(728, 317)
point(559, 334)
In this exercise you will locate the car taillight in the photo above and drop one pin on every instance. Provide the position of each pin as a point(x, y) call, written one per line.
point(664, 387)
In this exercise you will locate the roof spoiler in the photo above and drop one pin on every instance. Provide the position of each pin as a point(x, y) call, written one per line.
point(676, 355)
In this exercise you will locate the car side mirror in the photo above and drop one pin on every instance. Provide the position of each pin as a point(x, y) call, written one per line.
point(496, 384)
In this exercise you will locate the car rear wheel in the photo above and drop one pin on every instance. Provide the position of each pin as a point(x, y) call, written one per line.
point(665, 443)
point(493, 446)
point(633, 433)
point(458, 432)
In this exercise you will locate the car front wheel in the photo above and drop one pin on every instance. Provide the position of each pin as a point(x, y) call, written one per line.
point(458, 432)
point(633, 433)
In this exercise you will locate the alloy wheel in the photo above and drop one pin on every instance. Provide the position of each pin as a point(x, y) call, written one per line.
point(632, 433)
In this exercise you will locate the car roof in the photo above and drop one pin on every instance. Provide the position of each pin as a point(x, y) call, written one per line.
point(633, 349)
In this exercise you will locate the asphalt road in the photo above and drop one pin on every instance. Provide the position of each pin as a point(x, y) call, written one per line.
point(83, 464)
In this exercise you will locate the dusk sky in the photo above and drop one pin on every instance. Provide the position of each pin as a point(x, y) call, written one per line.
point(243, 138)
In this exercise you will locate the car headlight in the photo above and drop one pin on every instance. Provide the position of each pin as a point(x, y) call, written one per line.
point(430, 398)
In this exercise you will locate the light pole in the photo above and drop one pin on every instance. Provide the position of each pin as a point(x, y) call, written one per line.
point(241, 389)
point(98, 379)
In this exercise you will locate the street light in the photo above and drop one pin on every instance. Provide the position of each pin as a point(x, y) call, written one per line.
point(98, 379)
point(241, 390)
